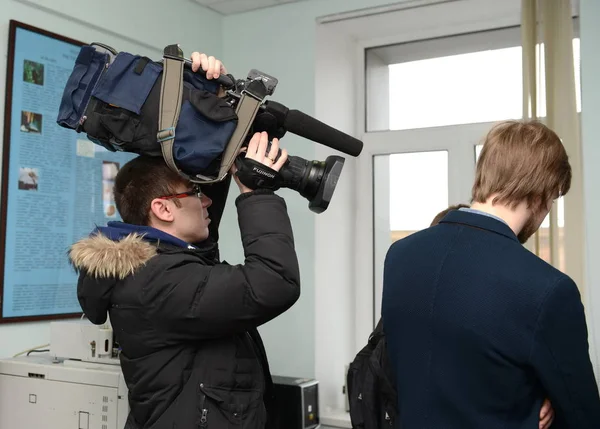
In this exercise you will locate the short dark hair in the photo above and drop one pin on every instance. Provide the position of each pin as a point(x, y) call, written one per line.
point(438, 217)
point(139, 182)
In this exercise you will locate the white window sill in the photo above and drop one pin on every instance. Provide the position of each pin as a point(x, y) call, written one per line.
point(335, 419)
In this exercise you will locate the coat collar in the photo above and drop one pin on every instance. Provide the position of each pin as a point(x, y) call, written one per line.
point(480, 221)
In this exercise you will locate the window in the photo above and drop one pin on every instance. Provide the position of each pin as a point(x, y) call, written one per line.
point(478, 82)
point(456, 89)
point(418, 189)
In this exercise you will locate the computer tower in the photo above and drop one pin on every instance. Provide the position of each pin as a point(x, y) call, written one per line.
point(297, 402)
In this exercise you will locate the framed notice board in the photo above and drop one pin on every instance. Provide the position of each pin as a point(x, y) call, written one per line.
point(56, 184)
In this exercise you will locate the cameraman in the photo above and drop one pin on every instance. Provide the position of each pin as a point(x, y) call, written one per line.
point(186, 324)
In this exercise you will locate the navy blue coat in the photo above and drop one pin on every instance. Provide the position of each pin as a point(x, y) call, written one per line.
point(480, 331)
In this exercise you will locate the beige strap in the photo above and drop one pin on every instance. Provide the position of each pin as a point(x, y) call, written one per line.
point(171, 92)
point(246, 111)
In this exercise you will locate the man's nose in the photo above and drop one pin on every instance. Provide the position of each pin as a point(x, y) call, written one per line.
point(206, 202)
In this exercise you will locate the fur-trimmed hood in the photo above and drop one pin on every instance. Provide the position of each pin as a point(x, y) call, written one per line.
point(102, 257)
point(119, 249)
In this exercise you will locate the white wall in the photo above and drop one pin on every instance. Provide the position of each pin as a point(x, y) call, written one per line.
point(334, 242)
point(282, 41)
point(590, 134)
point(140, 26)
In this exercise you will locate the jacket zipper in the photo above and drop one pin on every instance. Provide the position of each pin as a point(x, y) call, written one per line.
point(204, 417)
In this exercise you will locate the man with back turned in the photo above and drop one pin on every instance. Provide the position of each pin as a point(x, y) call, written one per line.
point(480, 330)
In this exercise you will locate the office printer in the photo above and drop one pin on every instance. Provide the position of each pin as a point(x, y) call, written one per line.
point(76, 384)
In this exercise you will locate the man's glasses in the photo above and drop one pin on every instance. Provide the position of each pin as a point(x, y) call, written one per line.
point(195, 191)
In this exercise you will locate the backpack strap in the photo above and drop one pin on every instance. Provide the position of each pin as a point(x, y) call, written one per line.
point(171, 93)
point(377, 333)
point(246, 111)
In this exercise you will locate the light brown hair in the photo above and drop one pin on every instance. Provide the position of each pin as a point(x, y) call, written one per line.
point(522, 161)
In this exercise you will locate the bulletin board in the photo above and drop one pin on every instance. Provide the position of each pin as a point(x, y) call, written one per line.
point(56, 184)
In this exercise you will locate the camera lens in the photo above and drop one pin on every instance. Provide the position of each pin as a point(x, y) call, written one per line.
point(314, 180)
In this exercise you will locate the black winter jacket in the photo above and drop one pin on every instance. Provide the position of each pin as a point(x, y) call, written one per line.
point(186, 324)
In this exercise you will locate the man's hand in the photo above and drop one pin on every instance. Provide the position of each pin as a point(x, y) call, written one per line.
point(546, 415)
point(213, 67)
point(257, 150)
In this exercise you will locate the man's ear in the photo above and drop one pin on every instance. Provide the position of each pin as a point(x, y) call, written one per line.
point(538, 204)
point(162, 210)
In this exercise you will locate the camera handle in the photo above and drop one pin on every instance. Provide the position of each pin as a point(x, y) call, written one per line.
point(225, 80)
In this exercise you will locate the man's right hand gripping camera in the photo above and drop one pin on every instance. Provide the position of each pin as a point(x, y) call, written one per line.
point(130, 103)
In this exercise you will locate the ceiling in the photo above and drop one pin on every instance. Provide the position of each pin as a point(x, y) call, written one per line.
point(229, 7)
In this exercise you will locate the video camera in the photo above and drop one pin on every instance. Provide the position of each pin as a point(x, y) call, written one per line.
point(116, 98)
point(314, 180)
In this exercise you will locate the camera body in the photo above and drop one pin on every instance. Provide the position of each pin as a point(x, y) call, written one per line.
point(314, 180)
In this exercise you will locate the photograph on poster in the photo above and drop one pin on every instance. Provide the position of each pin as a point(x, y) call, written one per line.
point(31, 122)
point(28, 178)
point(33, 72)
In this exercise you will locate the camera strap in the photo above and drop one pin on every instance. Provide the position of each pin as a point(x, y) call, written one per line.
point(171, 94)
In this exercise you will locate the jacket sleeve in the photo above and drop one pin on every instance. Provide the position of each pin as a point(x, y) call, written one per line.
point(209, 302)
point(560, 357)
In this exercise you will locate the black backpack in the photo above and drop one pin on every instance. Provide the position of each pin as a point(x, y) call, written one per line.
point(371, 386)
